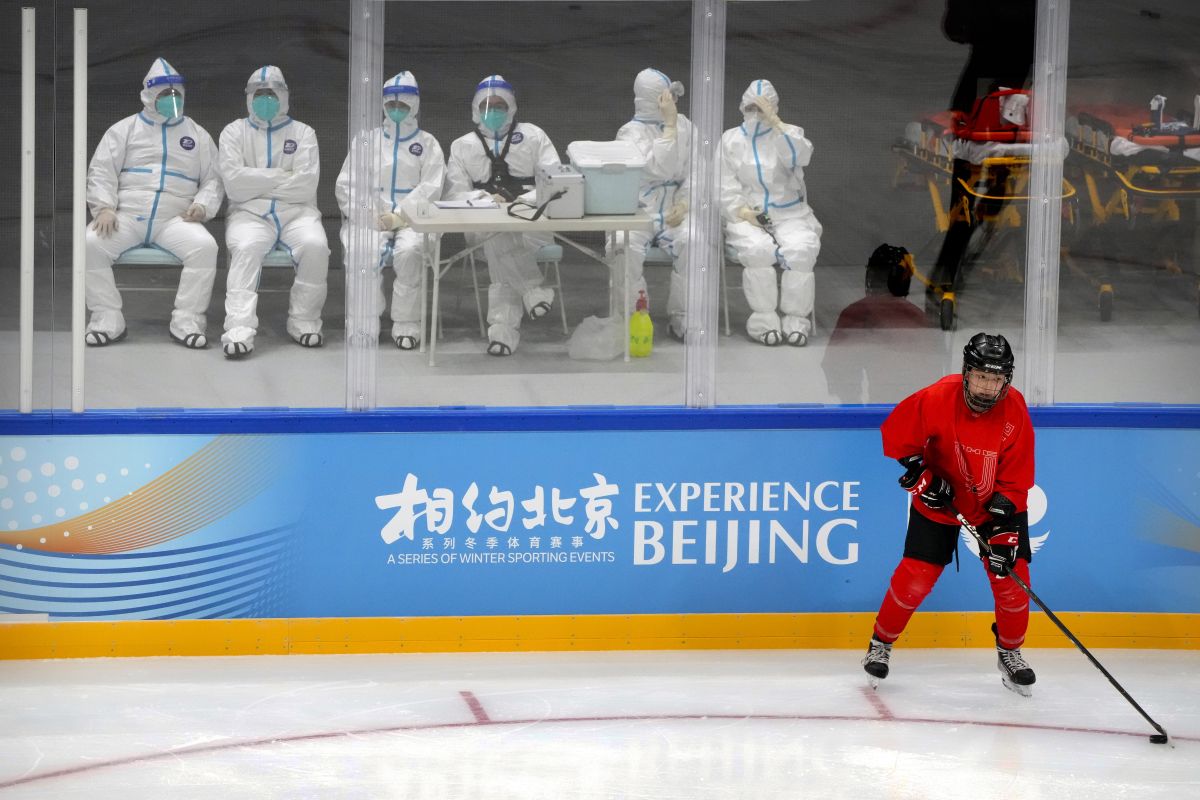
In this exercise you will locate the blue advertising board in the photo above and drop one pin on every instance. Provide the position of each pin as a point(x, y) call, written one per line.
point(555, 522)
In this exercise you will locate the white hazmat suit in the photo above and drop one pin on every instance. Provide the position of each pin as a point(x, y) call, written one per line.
point(149, 174)
point(516, 279)
point(409, 170)
point(762, 171)
point(664, 137)
point(270, 168)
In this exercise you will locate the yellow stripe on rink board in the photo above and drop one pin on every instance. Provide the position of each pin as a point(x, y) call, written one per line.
point(20, 640)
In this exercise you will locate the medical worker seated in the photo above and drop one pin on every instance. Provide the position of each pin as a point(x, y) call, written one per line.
point(664, 137)
point(270, 165)
point(152, 181)
point(408, 170)
point(768, 222)
point(498, 159)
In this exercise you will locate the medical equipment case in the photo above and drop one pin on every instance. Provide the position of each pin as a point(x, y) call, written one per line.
point(561, 178)
point(612, 174)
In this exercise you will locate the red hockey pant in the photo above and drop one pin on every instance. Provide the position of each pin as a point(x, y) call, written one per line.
point(913, 580)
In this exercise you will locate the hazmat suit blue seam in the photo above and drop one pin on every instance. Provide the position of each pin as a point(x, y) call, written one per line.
point(162, 181)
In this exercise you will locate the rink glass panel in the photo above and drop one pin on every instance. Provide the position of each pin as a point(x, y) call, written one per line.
point(573, 66)
point(1128, 324)
point(872, 85)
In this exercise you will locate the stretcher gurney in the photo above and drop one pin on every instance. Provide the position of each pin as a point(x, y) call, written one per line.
point(983, 160)
point(1142, 182)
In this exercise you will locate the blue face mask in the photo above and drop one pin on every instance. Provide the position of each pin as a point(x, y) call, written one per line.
point(397, 115)
point(493, 119)
point(265, 108)
point(170, 106)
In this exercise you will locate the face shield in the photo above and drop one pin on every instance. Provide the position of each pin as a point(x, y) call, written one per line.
point(169, 103)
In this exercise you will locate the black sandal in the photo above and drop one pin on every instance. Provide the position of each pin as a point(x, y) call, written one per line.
point(236, 350)
point(406, 342)
point(771, 338)
point(499, 349)
point(311, 340)
point(193, 341)
point(102, 339)
point(540, 310)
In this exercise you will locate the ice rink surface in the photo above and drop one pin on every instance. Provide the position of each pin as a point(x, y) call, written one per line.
point(701, 724)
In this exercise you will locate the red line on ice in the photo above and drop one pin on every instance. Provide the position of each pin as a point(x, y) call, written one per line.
point(435, 726)
point(476, 707)
point(875, 700)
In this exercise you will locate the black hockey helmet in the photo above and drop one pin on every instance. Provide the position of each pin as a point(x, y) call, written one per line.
point(891, 267)
point(987, 353)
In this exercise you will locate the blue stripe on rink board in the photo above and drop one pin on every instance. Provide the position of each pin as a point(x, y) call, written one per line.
point(562, 418)
point(261, 540)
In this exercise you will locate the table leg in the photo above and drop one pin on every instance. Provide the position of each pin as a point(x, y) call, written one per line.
point(437, 283)
point(426, 252)
point(625, 295)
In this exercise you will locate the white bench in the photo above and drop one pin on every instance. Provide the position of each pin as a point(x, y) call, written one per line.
point(153, 256)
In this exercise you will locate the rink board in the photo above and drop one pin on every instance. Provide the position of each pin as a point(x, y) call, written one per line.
point(369, 541)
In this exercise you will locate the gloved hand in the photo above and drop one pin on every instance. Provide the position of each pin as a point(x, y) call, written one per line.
point(1004, 536)
point(388, 221)
point(194, 213)
point(748, 214)
point(769, 116)
point(105, 222)
point(934, 490)
point(666, 106)
point(1004, 552)
point(676, 213)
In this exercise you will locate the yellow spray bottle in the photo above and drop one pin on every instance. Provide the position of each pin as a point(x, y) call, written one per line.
point(641, 329)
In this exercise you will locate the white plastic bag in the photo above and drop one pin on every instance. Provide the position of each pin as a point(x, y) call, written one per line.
point(597, 339)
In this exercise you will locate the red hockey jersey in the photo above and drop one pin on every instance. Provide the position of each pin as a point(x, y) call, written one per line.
point(979, 454)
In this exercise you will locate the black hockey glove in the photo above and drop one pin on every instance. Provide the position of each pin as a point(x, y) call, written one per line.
point(1004, 537)
point(934, 490)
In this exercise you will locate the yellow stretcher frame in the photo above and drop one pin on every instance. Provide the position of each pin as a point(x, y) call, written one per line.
point(932, 160)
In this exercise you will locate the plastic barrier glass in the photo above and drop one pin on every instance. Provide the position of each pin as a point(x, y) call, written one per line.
point(1128, 328)
point(850, 127)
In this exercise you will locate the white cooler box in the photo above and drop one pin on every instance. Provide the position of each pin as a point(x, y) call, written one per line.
point(612, 175)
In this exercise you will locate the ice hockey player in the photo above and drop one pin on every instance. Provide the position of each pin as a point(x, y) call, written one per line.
point(965, 443)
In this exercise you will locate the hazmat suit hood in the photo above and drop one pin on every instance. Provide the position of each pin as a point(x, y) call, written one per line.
point(494, 86)
point(161, 76)
point(267, 77)
point(403, 87)
point(757, 92)
point(648, 86)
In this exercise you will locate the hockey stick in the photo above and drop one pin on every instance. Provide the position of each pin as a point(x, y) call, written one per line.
point(984, 548)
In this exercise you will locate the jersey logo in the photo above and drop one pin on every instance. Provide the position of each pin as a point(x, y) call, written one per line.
point(518, 137)
point(187, 143)
point(1008, 429)
point(987, 476)
point(289, 146)
point(416, 149)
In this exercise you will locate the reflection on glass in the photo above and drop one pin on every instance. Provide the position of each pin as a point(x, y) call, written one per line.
point(270, 164)
point(986, 134)
point(409, 170)
point(768, 221)
point(1129, 279)
point(151, 184)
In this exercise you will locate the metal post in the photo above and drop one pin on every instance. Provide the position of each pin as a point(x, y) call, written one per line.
point(366, 87)
point(28, 116)
point(704, 219)
point(78, 197)
point(1044, 230)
